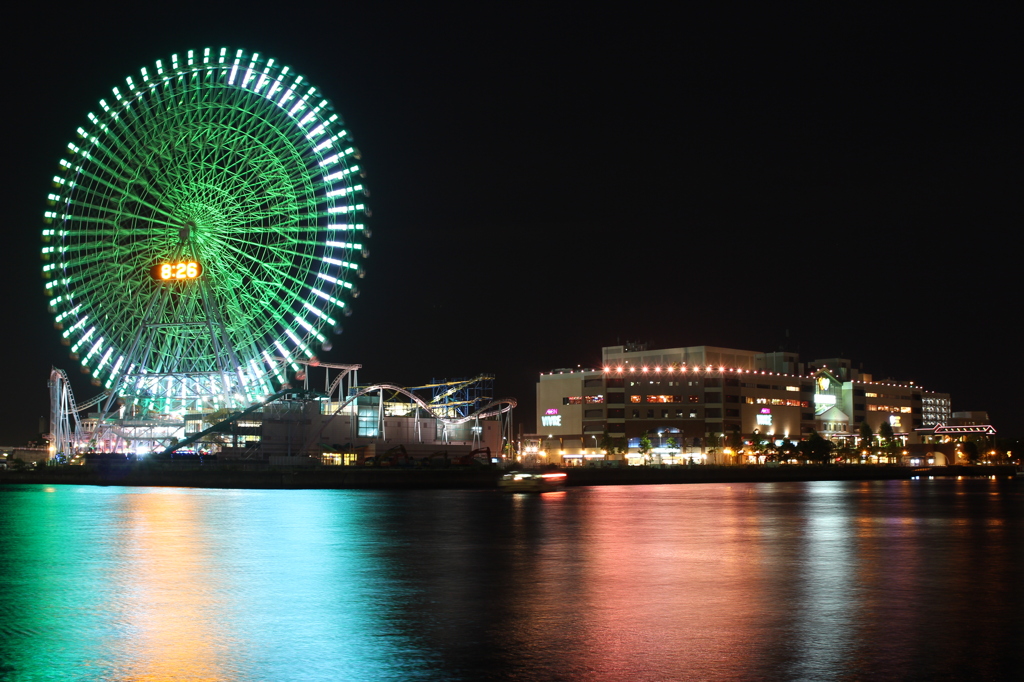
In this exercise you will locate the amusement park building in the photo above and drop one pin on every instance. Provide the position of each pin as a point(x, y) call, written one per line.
point(384, 422)
point(364, 429)
point(697, 395)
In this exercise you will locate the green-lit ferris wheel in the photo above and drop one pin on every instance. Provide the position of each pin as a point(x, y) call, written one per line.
point(204, 231)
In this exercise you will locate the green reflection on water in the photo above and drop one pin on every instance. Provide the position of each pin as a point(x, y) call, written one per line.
point(152, 583)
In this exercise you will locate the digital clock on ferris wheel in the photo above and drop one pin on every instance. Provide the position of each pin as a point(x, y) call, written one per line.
point(176, 272)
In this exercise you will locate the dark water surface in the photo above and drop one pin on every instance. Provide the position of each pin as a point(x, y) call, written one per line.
point(918, 579)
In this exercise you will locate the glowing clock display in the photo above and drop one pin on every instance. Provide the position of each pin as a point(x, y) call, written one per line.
point(176, 271)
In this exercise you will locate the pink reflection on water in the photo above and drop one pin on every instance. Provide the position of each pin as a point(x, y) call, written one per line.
point(666, 577)
point(658, 593)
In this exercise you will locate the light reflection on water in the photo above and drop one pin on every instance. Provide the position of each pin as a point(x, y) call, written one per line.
point(830, 580)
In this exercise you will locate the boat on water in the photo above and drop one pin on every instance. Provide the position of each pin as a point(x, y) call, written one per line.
point(524, 482)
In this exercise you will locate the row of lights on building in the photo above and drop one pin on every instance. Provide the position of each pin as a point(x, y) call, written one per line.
point(710, 368)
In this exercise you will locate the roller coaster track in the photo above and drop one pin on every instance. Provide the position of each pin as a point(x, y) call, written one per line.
point(92, 401)
point(454, 387)
point(62, 408)
point(59, 379)
point(491, 409)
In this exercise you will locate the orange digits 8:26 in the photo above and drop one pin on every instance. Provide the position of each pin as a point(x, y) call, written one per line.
point(188, 270)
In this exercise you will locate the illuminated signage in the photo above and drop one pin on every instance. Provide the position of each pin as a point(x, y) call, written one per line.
point(551, 410)
point(176, 271)
point(764, 419)
point(766, 410)
point(551, 420)
point(824, 399)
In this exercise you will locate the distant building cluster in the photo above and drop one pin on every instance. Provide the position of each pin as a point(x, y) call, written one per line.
point(688, 404)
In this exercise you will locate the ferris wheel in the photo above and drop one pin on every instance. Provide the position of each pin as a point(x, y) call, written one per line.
point(203, 232)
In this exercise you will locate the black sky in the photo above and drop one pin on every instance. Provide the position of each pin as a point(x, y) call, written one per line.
point(545, 182)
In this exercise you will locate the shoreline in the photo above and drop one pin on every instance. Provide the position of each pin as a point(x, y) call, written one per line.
point(357, 478)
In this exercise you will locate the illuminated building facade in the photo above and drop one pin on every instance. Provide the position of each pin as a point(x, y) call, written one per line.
point(690, 402)
point(350, 433)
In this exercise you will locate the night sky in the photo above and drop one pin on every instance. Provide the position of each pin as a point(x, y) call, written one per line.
point(838, 181)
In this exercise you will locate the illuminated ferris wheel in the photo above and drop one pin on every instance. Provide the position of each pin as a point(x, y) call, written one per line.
point(203, 232)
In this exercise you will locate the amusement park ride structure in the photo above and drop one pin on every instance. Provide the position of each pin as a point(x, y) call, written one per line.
point(71, 433)
point(201, 239)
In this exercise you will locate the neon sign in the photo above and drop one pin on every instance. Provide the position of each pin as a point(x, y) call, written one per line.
point(551, 420)
point(167, 272)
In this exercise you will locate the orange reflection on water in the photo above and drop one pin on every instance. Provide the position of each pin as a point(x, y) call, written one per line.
point(655, 569)
point(170, 590)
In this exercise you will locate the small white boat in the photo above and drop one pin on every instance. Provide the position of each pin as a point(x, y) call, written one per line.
point(522, 482)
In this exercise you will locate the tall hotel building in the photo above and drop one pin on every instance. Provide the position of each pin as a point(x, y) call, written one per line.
point(690, 401)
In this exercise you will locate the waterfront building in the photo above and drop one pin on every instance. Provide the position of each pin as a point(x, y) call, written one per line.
point(696, 404)
point(370, 427)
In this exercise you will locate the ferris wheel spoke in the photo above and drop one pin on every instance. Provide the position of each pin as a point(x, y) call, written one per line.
point(298, 301)
point(90, 258)
point(122, 192)
point(93, 237)
point(293, 214)
point(264, 228)
point(116, 218)
point(109, 255)
point(282, 289)
point(290, 256)
point(280, 276)
point(99, 280)
point(247, 259)
point(111, 227)
point(118, 304)
point(121, 182)
point(272, 239)
point(265, 253)
point(238, 262)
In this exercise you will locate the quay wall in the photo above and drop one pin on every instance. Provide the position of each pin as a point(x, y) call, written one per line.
point(459, 478)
